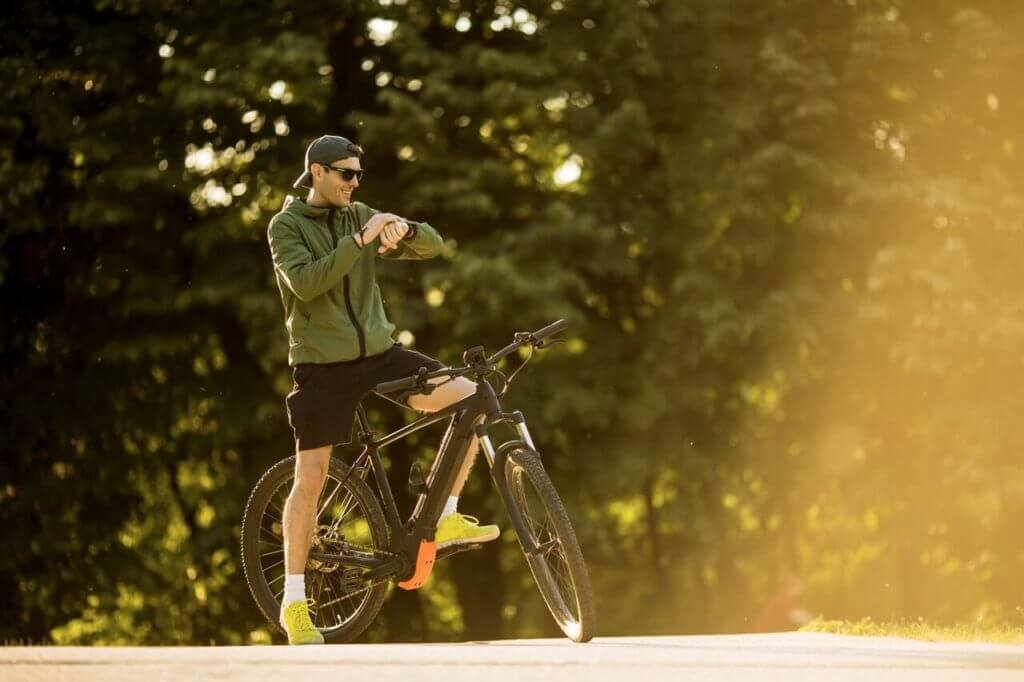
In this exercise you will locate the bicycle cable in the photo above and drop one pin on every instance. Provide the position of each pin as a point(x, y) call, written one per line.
point(508, 381)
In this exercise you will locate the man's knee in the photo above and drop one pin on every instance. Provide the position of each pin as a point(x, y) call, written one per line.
point(447, 393)
point(311, 471)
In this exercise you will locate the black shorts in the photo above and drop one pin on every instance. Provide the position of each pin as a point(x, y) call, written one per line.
point(322, 404)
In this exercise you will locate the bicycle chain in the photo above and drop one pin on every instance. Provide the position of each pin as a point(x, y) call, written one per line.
point(361, 551)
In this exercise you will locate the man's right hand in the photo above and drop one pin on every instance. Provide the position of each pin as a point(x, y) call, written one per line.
point(376, 224)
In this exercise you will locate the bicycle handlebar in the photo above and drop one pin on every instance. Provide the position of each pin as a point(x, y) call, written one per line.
point(522, 338)
point(552, 328)
point(536, 338)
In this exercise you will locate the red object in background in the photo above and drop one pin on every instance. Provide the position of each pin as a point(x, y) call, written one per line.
point(783, 610)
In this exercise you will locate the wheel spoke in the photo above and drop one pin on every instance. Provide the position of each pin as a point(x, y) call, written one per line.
point(332, 603)
point(545, 549)
point(269, 521)
point(345, 504)
point(565, 581)
point(277, 501)
point(347, 602)
point(340, 598)
point(327, 500)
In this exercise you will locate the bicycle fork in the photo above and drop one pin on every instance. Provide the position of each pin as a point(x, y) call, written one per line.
point(410, 540)
point(497, 460)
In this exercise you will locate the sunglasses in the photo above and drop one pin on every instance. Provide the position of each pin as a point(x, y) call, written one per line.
point(346, 173)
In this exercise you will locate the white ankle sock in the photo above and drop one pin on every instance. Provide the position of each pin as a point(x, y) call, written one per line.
point(294, 589)
point(450, 507)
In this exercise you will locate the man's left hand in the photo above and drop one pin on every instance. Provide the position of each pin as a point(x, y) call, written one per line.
point(391, 235)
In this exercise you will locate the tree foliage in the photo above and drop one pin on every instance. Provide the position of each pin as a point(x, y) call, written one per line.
point(784, 233)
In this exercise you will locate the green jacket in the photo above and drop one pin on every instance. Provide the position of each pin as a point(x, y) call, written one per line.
point(332, 304)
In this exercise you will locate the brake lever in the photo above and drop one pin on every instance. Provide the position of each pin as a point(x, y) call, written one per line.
point(546, 344)
point(422, 385)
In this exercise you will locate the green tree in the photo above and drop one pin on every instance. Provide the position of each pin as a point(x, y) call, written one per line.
point(783, 233)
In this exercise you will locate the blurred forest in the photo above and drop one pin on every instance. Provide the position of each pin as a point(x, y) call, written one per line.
point(786, 234)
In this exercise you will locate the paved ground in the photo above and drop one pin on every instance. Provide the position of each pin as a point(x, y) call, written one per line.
point(790, 656)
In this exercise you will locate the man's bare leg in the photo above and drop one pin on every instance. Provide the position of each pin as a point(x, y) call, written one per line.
point(442, 397)
point(300, 511)
point(455, 528)
point(460, 480)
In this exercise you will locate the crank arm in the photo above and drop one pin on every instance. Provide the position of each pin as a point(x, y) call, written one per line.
point(388, 568)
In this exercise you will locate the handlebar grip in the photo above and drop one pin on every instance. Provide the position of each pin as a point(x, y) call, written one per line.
point(552, 328)
point(396, 385)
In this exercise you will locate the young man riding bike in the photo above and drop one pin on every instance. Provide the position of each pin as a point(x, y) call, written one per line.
point(324, 249)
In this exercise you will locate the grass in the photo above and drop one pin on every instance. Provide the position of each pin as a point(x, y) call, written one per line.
point(22, 642)
point(980, 631)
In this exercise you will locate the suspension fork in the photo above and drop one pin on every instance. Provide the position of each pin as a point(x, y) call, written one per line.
point(497, 460)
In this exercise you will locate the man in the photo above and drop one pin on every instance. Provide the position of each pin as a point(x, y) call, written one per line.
point(324, 249)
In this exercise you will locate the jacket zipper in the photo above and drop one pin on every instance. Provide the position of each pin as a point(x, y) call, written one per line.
point(348, 300)
point(352, 315)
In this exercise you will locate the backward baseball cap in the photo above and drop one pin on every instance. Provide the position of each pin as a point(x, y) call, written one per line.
point(326, 149)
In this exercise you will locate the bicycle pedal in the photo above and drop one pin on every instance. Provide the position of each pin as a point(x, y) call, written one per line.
point(455, 549)
point(352, 580)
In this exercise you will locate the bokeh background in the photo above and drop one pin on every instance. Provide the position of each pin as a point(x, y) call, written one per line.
point(786, 234)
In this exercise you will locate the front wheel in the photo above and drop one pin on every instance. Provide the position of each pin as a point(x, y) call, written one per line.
point(558, 568)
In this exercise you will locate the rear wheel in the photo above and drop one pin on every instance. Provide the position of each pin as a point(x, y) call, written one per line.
point(558, 568)
point(349, 519)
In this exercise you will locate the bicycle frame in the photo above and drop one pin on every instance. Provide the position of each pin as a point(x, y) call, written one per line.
point(407, 537)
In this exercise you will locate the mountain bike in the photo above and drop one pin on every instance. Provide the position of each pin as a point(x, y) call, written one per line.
point(360, 542)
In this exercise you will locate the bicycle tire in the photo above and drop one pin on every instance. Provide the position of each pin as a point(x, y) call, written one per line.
point(277, 478)
point(567, 593)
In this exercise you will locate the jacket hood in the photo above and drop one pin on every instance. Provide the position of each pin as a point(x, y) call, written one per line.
point(298, 206)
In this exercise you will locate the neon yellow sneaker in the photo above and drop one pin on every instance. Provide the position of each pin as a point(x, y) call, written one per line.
point(459, 529)
point(295, 621)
